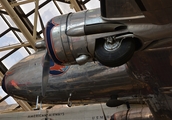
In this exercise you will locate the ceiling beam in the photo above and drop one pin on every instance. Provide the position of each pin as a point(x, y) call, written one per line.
point(1, 76)
point(25, 20)
point(81, 5)
point(18, 22)
point(35, 19)
point(13, 46)
point(75, 5)
point(24, 105)
point(84, 2)
point(3, 69)
point(17, 3)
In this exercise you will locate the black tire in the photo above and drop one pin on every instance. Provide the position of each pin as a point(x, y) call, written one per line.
point(114, 58)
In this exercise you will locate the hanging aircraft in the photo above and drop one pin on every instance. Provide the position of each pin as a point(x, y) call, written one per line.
point(114, 54)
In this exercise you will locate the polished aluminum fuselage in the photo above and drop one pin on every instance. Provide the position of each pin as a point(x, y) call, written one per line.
point(91, 82)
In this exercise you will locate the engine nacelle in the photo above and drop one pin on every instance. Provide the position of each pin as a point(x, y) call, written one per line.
point(71, 38)
point(69, 49)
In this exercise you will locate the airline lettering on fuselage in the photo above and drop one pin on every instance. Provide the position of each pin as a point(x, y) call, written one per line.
point(45, 115)
point(56, 69)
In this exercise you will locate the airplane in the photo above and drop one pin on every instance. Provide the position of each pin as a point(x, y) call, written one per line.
point(114, 54)
point(88, 112)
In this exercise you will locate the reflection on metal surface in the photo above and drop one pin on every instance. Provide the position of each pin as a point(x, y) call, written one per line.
point(13, 83)
point(124, 18)
point(111, 44)
point(142, 113)
point(13, 46)
point(17, 3)
point(40, 44)
point(87, 83)
point(76, 31)
point(82, 59)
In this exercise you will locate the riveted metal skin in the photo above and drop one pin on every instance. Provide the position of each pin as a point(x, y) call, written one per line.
point(88, 83)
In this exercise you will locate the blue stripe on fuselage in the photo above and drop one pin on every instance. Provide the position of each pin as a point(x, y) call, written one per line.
point(49, 44)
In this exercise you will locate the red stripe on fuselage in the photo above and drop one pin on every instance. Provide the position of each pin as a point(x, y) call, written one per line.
point(57, 67)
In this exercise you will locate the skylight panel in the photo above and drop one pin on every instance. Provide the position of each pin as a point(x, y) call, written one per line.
point(31, 18)
point(21, 36)
point(3, 53)
point(42, 35)
point(31, 50)
point(9, 100)
point(2, 93)
point(15, 57)
point(48, 11)
point(65, 7)
point(4, 26)
point(10, 21)
point(8, 39)
point(92, 4)
point(28, 7)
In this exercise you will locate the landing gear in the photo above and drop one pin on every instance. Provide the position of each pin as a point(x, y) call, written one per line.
point(111, 52)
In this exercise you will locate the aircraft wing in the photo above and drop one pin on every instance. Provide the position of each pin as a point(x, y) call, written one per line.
point(155, 11)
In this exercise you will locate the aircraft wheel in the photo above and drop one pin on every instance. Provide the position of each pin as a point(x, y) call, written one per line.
point(112, 53)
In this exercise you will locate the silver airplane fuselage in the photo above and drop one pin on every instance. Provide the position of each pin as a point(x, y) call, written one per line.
point(91, 82)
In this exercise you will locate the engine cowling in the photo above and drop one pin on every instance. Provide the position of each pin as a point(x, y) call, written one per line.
point(71, 38)
point(65, 49)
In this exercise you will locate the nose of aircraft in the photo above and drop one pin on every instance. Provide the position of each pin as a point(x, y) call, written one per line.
point(12, 88)
point(3, 84)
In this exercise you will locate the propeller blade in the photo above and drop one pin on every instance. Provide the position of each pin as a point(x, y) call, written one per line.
point(46, 64)
point(45, 73)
